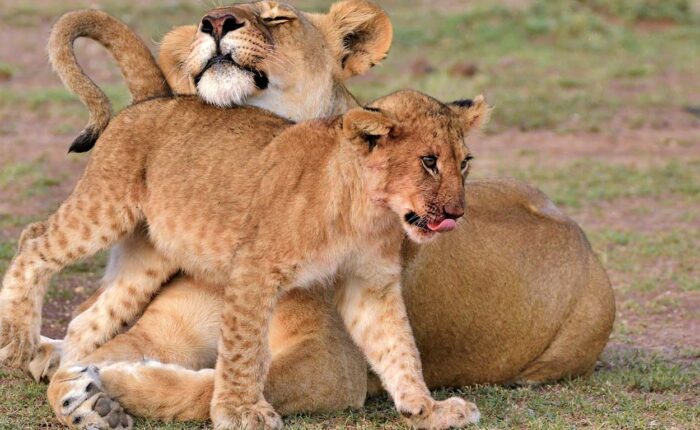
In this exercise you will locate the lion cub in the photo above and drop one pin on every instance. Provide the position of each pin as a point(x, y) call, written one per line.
point(272, 206)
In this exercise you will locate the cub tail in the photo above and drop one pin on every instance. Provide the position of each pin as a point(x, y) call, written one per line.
point(141, 73)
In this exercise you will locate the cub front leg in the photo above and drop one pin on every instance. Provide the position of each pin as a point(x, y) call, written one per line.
point(136, 272)
point(244, 358)
point(373, 310)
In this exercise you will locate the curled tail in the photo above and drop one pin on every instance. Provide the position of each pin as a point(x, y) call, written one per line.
point(141, 73)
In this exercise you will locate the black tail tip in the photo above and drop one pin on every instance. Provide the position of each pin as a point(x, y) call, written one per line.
point(85, 141)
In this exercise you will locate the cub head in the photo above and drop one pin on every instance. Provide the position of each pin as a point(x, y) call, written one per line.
point(271, 55)
point(415, 158)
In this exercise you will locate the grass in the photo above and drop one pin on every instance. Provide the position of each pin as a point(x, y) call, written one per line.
point(581, 65)
point(584, 60)
point(31, 177)
point(59, 98)
point(630, 390)
point(665, 261)
point(6, 71)
point(587, 181)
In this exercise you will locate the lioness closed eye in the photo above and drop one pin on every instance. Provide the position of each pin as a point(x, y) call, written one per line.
point(323, 199)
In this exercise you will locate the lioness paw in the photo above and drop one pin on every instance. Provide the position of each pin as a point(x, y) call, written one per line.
point(259, 416)
point(451, 413)
point(84, 404)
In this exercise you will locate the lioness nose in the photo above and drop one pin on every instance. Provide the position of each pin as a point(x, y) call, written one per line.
point(454, 211)
point(219, 26)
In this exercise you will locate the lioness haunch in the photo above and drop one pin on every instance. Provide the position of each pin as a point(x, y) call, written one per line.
point(272, 206)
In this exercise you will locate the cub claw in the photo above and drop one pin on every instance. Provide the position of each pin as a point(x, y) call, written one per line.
point(16, 349)
point(259, 416)
point(451, 413)
point(46, 361)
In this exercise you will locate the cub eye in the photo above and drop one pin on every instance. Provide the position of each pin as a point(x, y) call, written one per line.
point(430, 163)
point(466, 161)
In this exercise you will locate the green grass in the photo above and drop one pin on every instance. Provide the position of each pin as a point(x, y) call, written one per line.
point(623, 394)
point(587, 181)
point(31, 178)
point(658, 261)
point(631, 390)
point(679, 11)
point(59, 98)
point(23, 403)
point(563, 65)
point(7, 70)
point(151, 18)
point(7, 251)
point(13, 221)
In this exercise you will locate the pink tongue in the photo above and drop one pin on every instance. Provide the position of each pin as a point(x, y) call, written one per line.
point(446, 225)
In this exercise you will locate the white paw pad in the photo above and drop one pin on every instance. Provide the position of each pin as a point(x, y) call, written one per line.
point(86, 406)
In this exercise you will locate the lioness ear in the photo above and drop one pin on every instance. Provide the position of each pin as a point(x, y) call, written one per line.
point(367, 125)
point(361, 33)
point(474, 113)
point(174, 49)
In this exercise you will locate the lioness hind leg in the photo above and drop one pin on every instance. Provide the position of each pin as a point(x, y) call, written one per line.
point(89, 396)
point(88, 221)
point(316, 367)
point(135, 273)
point(581, 338)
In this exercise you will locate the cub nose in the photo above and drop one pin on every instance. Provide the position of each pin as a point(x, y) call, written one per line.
point(453, 211)
point(219, 26)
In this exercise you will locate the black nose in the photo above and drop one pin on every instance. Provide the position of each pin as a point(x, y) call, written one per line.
point(218, 27)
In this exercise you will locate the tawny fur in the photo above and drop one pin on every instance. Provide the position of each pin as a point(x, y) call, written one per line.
point(135, 61)
point(490, 308)
point(181, 327)
point(291, 206)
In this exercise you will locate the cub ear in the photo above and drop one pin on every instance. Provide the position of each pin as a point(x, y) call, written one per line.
point(174, 49)
point(474, 113)
point(361, 33)
point(367, 125)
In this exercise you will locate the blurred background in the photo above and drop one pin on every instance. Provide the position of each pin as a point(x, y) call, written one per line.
point(597, 103)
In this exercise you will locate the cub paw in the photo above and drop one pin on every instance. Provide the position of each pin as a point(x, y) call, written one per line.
point(259, 416)
point(17, 343)
point(46, 361)
point(80, 402)
point(451, 413)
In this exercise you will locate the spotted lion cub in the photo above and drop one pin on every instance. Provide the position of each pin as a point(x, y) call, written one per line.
point(268, 206)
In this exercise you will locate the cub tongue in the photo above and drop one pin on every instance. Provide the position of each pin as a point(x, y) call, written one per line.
point(445, 225)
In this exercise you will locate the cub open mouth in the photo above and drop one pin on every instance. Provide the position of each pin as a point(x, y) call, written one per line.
point(260, 77)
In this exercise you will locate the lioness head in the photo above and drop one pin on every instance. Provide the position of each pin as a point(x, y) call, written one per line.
point(271, 55)
point(416, 157)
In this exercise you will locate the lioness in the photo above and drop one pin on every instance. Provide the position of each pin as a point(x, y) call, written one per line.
point(327, 201)
point(529, 303)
